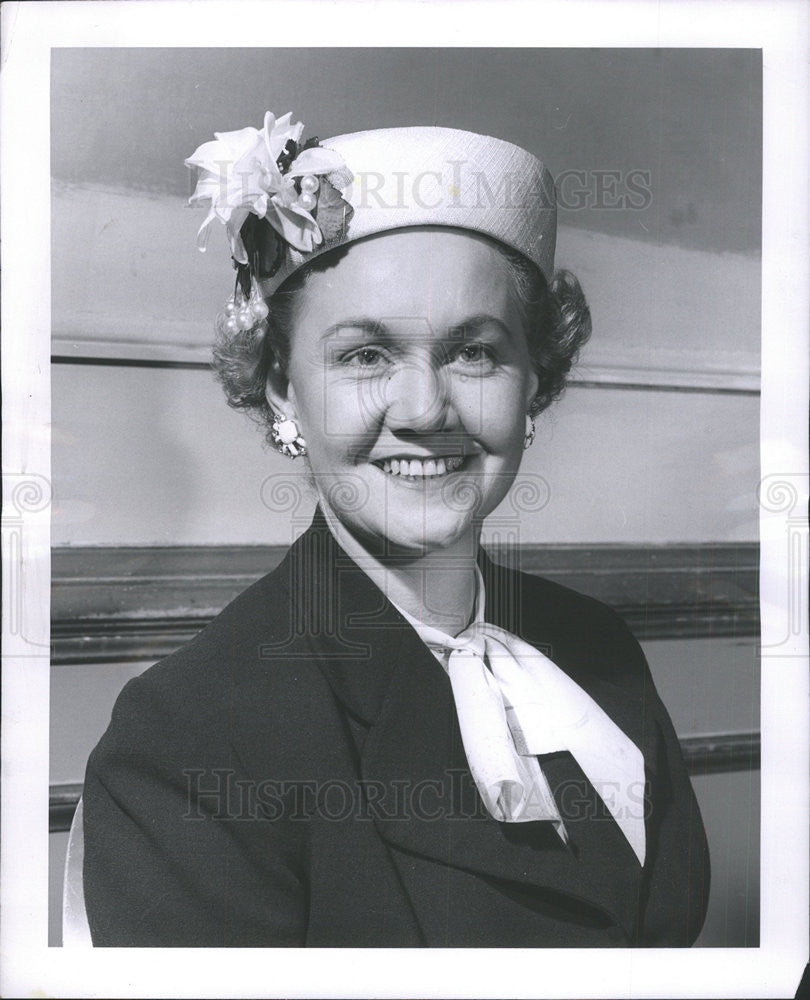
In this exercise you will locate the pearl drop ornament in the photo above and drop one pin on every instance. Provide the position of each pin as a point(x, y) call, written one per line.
point(244, 318)
point(230, 325)
point(307, 201)
point(310, 183)
point(260, 309)
point(230, 308)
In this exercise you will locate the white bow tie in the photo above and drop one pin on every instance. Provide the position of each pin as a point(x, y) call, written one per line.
point(513, 703)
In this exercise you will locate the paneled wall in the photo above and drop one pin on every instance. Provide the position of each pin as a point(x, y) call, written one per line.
point(642, 480)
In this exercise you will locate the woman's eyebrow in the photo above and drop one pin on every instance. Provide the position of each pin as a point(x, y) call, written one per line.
point(379, 330)
point(363, 324)
point(477, 322)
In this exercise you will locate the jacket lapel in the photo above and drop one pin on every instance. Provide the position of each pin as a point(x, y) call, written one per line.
point(426, 800)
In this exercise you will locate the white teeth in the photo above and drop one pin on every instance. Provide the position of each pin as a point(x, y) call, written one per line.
point(414, 468)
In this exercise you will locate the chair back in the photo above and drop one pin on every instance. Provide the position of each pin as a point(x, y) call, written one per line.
point(75, 927)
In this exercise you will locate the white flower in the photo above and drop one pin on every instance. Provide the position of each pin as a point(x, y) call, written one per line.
point(238, 174)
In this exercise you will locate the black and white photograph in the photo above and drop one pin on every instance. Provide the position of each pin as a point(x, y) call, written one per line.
point(417, 559)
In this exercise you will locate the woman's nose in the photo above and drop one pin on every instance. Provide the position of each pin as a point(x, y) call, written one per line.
point(416, 397)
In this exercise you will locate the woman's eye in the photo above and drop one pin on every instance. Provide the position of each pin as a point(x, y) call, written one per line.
point(366, 357)
point(475, 354)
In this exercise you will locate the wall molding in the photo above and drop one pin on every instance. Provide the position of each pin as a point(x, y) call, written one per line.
point(717, 753)
point(62, 802)
point(721, 753)
point(132, 604)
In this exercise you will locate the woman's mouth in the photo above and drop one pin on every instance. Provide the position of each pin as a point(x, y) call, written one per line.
point(420, 468)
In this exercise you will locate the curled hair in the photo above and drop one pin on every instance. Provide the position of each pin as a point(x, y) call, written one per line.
point(242, 361)
point(556, 318)
point(557, 322)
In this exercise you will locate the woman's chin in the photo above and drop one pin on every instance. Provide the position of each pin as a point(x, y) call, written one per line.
point(407, 538)
point(418, 544)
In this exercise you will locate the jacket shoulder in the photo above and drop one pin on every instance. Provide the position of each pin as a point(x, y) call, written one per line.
point(242, 635)
point(246, 652)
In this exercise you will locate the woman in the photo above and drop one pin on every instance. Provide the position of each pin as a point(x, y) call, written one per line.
point(389, 740)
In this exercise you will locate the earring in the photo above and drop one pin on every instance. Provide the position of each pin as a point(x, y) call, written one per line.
point(286, 436)
point(530, 432)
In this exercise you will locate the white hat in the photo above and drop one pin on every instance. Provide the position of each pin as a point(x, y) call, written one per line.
point(318, 196)
point(432, 176)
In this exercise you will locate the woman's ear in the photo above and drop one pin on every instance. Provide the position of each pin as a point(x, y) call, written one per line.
point(278, 391)
point(532, 388)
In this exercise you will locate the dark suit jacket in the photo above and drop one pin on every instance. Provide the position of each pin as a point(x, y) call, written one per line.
point(295, 776)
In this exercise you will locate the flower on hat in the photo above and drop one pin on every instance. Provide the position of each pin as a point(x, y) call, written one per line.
point(268, 173)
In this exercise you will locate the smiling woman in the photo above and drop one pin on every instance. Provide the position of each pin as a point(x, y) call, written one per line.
point(390, 740)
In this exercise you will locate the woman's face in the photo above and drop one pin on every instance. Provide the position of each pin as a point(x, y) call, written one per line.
point(409, 378)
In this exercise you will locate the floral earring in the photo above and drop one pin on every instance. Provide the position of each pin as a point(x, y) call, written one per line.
point(286, 436)
point(530, 432)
